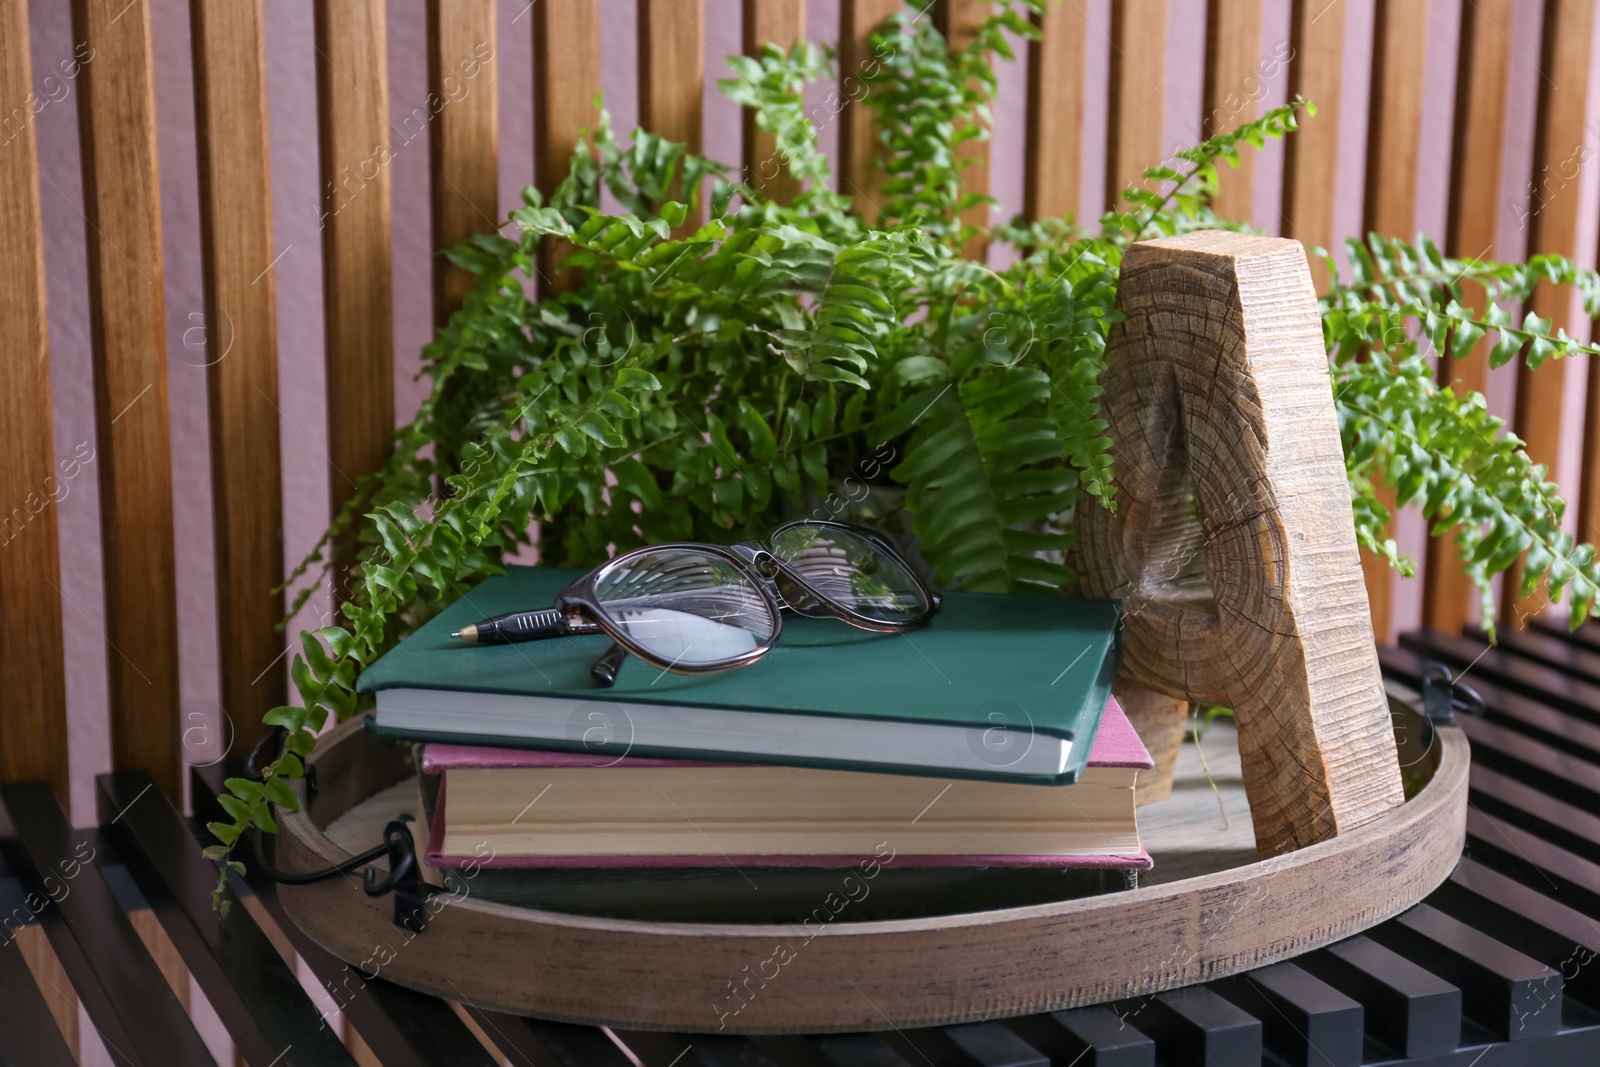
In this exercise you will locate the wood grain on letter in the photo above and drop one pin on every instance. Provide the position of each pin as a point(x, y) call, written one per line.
point(1232, 544)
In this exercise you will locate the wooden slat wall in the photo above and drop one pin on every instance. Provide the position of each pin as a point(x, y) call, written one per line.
point(959, 21)
point(33, 743)
point(566, 77)
point(1053, 175)
point(121, 203)
point(1233, 94)
point(1483, 79)
point(357, 298)
point(1134, 132)
point(230, 78)
point(1311, 156)
point(859, 146)
point(1553, 228)
point(464, 138)
point(779, 22)
point(672, 67)
point(122, 207)
point(1399, 52)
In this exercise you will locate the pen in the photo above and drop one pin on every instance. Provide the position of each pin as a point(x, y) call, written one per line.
point(515, 626)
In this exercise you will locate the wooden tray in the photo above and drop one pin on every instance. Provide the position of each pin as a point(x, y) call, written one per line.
point(1208, 911)
point(1233, 553)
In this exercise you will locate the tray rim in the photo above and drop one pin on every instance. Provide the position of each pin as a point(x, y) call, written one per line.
point(663, 968)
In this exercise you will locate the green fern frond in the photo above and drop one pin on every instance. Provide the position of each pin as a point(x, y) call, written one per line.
point(984, 480)
point(1448, 455)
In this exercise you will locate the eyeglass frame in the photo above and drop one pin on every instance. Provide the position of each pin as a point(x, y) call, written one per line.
point(581, 611)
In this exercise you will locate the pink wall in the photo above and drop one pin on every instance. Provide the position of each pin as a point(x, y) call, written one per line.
point(291, 76)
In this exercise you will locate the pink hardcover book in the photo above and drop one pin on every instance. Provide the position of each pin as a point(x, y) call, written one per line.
point(1116, 746)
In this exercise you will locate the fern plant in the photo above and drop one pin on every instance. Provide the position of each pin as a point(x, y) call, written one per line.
point(704, 386)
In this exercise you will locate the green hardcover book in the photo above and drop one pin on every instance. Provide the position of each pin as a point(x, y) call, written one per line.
point(997, 687)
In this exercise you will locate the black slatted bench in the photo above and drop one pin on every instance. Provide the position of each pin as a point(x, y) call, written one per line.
point(1498, 967)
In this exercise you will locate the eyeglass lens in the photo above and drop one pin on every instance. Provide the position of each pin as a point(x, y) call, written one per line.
point(852, 571)
point(685, 606)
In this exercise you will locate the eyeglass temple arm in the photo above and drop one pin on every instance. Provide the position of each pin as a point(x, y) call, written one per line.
point(605, 669)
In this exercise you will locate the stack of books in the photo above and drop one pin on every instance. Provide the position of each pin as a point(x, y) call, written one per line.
point(980, 762)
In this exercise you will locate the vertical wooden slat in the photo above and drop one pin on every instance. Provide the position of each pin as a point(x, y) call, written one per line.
point(959, 21)
point(357, 301)
point(230, 76)
point(33, 743)
point(1233, 95)
point(672, 69)
point(122, 207)
point(1311, 159)
point(1482, 81)
point(859, 176)
point(1138, 93)
point(779, 22)
point(463, 142)
point(566, 79)
point(1399, 48)
point(1589, 494)
point(1589, 488)
point(1053, 176)
point(1559, 149)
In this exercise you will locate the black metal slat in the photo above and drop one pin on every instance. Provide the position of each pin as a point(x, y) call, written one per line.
point(1548, 930)
point(1304, 1019)
point(119, 985)
point(1511, 995)
point(536, 1043)
point(1509, 671)
point(1533, 861)
point(1561, 775)
point(967, 1045)
point(789, 1050)
point(403, 1028)
point(857, 1050)
point(1586, 636)
point(29, 1036)
point(1190, 1028)
point(1553, 819)
point(1524, 714)
point(1089, 1037)
point(1407, 1008)
point(1541, 648)
point(993, 1045)
point(723, 1050)
point(654, 1049)
point(1197, 1027)
point(259, 999)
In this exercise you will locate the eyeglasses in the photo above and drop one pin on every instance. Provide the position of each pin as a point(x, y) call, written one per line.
point(697, 609)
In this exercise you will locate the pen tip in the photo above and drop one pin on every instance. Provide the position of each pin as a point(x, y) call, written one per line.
point(455, 633)
point(466, 633)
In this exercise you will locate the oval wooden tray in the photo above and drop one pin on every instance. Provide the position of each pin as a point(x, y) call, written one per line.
point(845, 975)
